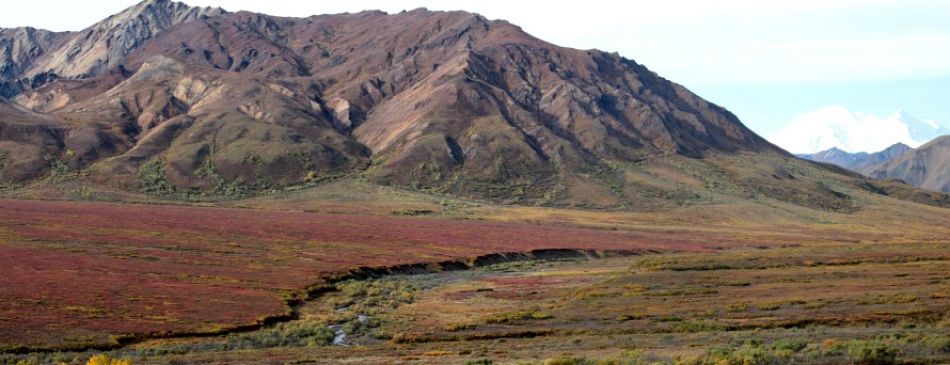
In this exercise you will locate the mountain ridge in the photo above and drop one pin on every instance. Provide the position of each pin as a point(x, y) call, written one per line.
point(861, 162)
point(232, 103)
point(927, 166)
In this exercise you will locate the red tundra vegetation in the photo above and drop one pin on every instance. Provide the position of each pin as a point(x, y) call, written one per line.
point(82, 274)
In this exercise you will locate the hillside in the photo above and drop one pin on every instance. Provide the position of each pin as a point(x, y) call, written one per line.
point(189, 103)
point(927, 166)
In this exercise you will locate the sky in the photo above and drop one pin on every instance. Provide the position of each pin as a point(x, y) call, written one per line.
point(766, 61)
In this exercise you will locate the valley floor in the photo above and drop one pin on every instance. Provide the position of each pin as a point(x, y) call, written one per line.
point(821, 304)
point(263, 279)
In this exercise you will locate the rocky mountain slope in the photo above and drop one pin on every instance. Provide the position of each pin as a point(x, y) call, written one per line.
point(927, 166)
point(31, 58)
point(19, 49)
point(171, 99)
point(861, 162)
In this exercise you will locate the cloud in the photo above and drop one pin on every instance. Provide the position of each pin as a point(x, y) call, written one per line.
point(836, 126)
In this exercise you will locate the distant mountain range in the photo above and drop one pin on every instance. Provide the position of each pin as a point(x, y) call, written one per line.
point(927, 166)
point(838, 127)
point(862, 162)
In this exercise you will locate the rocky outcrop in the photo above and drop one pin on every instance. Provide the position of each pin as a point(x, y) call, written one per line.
point(19, 50)
point(105, 45)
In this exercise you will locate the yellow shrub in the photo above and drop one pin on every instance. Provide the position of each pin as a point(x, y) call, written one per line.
point(103, 359)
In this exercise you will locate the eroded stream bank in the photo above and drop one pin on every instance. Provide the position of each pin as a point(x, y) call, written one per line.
point(328, 284)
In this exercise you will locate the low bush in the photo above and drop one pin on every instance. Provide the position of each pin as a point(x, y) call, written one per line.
point(455, 327)
point(697, 326)
point(479, 362)
point(103, 359)
point(290, 334)
point(871, 352)
point(734, 308)
point(939, 343)
point(530, 314)
point(567, 360)
point(748, 354)
point(794, 345)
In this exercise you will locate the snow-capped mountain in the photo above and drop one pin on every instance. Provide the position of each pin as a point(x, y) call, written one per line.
point(837, 127)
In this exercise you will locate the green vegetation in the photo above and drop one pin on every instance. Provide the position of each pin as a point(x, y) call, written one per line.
point(297, 333)
point(520, 315)
point(58, 171)
point(301, 333)
point(371, 297)
point(698, 326)
point(872, 352)
point(83, 192)
point(152, 180)
point(221, 187)
point(753, 352)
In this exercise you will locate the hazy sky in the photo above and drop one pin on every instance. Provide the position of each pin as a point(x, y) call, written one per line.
point(767, 61)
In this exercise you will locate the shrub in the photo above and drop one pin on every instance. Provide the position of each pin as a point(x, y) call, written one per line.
point(152, 180)
point(509, 317)
point(733, 308)
point(454, 327)
point(745, 355)
point(697, 326)
point(795, 345)
point(566, 360)
point(103, 359)
point(752, 356)
point(58, 170)
point(669, 319)
point(871, 352)
point(632, 357)
point(479, 362)
point(297, 333)
point(939, 343)
point(629, 317)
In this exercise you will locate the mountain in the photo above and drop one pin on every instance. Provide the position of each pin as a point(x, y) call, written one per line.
point(927, 166)
point(181, 101)
point(837, 127)
point(19, 49)
point(859, 162)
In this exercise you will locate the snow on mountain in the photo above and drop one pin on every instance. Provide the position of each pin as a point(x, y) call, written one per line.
point(836, 126)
